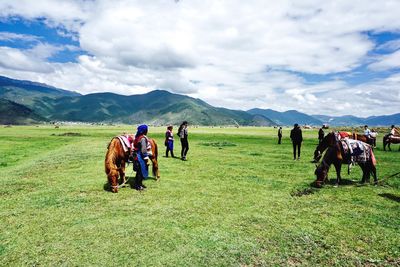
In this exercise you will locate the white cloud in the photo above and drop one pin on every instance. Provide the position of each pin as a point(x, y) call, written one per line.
point(236, 54)
point(14, 37)
point(386, 62)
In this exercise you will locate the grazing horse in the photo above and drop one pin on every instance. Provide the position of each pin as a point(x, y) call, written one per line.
point(328, 141)
point(117, 157)
point(336, 155)
point(390, 139)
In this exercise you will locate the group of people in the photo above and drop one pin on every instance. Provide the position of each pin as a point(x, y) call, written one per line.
point(143, 152)
point(297, 137)
point(183, 136)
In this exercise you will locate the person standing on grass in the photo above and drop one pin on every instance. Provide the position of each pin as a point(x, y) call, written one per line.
point(142, 160)
point(169, 141)
point(297, 137)
point(279, 135)
point(183, 135)
point(320, 135)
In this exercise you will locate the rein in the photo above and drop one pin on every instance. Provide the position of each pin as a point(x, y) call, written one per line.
point(385, 178)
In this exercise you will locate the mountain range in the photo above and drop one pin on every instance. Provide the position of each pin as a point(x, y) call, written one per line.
point(26, 102)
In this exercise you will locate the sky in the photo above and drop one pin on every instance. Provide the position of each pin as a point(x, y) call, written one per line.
point(319, 57)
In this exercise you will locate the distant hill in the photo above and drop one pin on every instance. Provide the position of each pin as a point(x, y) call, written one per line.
point(383, 120)
point(156, 107)
point(40, 102)
point(36, 96)
point(289, 117)
point(349, 120)
point(14, 113)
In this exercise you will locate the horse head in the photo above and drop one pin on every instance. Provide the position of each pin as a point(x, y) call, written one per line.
point(321, 172)
point(317, 156)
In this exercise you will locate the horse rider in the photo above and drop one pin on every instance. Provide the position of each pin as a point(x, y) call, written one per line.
point(367, 134)
point(143, 154)
point(373, 135)
point(394, 131)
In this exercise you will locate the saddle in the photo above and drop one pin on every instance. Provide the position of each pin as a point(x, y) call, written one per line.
point(126, 141)
point(359, 151)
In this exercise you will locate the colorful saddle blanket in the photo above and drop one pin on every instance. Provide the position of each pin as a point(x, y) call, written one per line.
point(126, 141)
point(360, 151)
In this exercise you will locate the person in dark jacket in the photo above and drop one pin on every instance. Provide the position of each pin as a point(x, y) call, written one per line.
point(320, 135)
point(183, 135)
point(169, 141)
point(279, 135)
point(297, 137)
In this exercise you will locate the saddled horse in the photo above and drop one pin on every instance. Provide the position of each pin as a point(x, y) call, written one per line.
point(117, 157)
point(390, 139)
point(363, 138)
point(329, 140)
point(337, 156)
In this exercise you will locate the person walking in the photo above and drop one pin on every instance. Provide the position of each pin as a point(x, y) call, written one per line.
point(169, 141)
point(297, 138)
point(320, 135)
point(183, 135)
point(279, 135)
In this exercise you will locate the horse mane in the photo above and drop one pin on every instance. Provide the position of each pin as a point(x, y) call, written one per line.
point(114, 150)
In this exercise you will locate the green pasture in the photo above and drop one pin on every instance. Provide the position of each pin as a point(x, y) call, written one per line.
point(239, 200)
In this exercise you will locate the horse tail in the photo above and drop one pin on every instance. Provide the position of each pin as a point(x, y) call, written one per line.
point(111, 167)
point(373, 159)
point(155, 155)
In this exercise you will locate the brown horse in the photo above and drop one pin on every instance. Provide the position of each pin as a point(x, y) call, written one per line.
point(364, 139)
point(335, 155)
point(116, 158)
point(390, 139)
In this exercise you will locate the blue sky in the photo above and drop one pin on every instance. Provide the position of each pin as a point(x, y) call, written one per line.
point(317, 57)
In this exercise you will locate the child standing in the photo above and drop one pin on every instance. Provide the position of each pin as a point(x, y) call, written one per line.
point(169, 141)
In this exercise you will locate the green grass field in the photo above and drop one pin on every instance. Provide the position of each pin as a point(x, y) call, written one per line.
point(237, 201)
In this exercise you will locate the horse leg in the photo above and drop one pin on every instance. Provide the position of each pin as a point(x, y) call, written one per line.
point(113, 180)
point(122, 172)
point(364, 172)
point(155, 168)
point(373, 171)
point(338, 168)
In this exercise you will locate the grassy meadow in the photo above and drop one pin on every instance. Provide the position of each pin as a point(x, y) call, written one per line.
point(239, 200)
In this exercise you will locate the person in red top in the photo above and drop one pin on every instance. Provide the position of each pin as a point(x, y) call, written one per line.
point(142, 160)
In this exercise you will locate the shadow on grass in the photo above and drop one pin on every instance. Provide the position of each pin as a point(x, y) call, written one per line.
point(390, 196)
point(332, 182)
point(175, 157)
point(130, 182)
